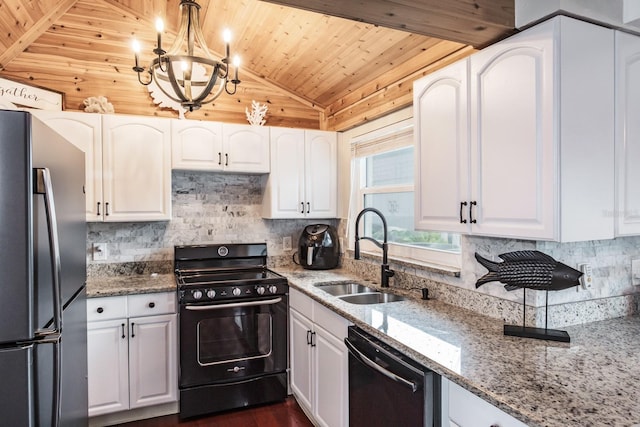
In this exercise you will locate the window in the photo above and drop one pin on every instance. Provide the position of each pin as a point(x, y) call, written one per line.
point(383, 165)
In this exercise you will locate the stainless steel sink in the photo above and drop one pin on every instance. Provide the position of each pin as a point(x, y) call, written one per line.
point(371, 298)
point(344, 288)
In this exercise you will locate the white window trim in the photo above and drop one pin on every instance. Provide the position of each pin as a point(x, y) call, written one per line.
point(396, 251)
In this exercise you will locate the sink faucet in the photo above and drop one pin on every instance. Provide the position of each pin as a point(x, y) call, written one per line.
point(385, 272)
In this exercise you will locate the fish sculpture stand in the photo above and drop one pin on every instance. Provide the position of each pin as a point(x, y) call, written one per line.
point(532, 270)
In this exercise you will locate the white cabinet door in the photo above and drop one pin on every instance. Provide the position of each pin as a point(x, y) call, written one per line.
point(512, 140)
point(108, 373)
point(321, 163)
point(284, 194)
point(137, 168)
point(153, 360)
point(300, 358)
point(196, 145)
point(303, 178)
point(442, 150)
point(331, 364)
point(627, 111)
point(246, 148)
point(84, 130)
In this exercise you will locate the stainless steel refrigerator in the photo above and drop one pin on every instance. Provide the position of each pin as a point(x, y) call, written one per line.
point(43, 335)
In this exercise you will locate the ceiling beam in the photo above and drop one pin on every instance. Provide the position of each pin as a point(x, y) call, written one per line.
point(474, 22)
point(38, 28)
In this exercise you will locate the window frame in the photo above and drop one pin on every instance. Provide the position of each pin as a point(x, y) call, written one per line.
point(399, 251)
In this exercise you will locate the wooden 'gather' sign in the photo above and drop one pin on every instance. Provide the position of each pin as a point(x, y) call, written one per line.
point(29, 96)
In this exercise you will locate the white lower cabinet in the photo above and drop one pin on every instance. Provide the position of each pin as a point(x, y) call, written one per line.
point(132, 352)
point(461, 408)
point(319, 361)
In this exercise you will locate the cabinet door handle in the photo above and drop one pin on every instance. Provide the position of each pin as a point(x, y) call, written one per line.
point(123, 335)
point(98, 209)
point(313, 339)
point(226, 159)
point(471, 205)
point(219, 158)
point(132, 333)
point(106, 209)
point(308, 207)
point(302, 210)
point(308, 337)
point(462, 204)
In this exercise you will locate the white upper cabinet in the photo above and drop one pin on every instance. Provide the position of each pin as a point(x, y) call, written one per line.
point(246, 148)
point(519, 143)
point(441, 131)
point(85, 132)
point(127, 163)
point(136, 168)
point(627, 92)
point(196, 145)
point(214, 146)
point(303, 179)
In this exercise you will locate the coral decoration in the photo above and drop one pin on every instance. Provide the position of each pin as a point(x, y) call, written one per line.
point(97, 104)
point(256, 116)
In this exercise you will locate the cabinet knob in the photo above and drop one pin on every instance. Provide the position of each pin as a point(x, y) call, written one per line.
point(152, 304)
point(100, 310)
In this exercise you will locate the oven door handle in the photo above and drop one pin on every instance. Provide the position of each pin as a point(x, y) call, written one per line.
point(232, 305)
point(373, 365)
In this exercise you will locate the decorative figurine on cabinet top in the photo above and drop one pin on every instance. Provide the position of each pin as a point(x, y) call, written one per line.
point(534, 270)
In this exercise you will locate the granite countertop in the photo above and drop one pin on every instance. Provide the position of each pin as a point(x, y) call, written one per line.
point(592, 381)
point(105, 286)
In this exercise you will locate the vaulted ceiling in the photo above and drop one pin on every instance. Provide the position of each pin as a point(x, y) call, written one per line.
point(333, 65)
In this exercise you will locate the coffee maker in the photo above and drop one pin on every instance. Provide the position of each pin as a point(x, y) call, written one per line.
point(319, 247)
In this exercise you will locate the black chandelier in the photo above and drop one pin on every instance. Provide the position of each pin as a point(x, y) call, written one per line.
point(181, 75)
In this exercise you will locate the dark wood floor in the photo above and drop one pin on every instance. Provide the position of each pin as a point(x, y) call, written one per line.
point(284, 414)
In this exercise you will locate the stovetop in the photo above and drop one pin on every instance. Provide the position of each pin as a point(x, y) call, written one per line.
point(206, 273)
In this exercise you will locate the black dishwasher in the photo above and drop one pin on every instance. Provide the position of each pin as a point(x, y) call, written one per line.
point(387, 388)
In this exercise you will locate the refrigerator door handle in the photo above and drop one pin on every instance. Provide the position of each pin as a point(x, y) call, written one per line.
point(42, 185)
point(56, 402)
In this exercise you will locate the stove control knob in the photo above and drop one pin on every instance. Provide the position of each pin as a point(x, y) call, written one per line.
point(211, 294)
point(260, 290)
point(196, 294)
point(236, 292)
point(273, 289)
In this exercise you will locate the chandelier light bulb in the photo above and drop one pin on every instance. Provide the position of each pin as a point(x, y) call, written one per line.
point(159, 25)
point(226, 35)
point(135, 45)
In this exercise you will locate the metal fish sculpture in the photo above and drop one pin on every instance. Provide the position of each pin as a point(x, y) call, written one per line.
point(529, 269)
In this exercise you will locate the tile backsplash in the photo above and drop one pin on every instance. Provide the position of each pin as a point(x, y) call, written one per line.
point(210, 207)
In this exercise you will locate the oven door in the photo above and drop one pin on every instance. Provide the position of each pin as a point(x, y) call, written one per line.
point(231, 340)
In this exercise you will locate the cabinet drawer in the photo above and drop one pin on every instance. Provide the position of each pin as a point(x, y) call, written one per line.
point(467, 409)
point(152, 304)
point(300, 302)
point(106, 308)
point(330, 321)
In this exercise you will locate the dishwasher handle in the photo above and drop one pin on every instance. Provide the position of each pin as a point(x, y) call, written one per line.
point(373, 365)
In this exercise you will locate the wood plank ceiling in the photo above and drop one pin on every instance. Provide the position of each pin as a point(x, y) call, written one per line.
point(314, 70)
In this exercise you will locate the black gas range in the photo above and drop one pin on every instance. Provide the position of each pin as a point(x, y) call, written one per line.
point(233, 328)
